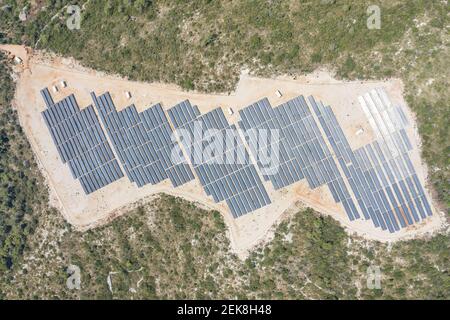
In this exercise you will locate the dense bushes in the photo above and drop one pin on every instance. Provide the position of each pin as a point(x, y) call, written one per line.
point(22, 195)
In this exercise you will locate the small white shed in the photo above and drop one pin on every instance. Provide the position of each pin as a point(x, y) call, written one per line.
point(278, 93)
point(17, 60)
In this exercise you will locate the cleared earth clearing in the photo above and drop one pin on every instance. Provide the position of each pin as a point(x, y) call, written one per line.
point(40, 70)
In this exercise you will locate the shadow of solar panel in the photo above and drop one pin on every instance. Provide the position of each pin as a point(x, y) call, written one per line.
point(80, 142)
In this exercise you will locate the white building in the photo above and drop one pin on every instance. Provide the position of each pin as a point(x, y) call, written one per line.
point(17, 60)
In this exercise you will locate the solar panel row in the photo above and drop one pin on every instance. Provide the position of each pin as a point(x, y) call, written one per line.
point(405, 171)
point(236, 182)
point(143, 143)
point(380, 175)
point(387, 121)
point(376, 175)
point(47, 97)
point(302, 149)
point(402, 116)
point(80, 142)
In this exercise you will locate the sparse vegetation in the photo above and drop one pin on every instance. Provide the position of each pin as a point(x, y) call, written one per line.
point(147, 255)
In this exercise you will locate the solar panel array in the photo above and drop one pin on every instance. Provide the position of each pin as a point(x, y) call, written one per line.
point(384, 184)
point(302, 149)
point(387, 121)
point(80, 142)
point(381, 175)
point(143, 143)
point(227, 175)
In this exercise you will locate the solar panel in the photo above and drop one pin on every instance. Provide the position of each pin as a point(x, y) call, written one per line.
point(227, 175)
point(380, 175)
point(375, 169)
point(143, 140)
point(71, 130)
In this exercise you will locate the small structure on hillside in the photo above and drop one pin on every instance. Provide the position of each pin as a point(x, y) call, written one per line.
point(23, 14)
point(278, 93)
point(128, 94)
point(230, 111)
